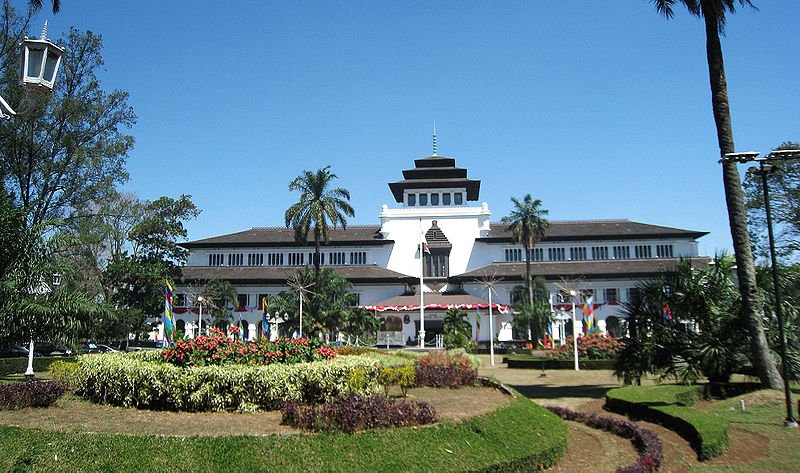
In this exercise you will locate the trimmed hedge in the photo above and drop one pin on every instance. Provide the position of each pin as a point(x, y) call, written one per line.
point(538, 363)
point(518, 437)
point(19, 365)
point(126, 380)
point(669, 405)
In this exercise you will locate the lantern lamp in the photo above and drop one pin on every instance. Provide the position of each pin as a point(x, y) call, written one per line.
point(40, 62)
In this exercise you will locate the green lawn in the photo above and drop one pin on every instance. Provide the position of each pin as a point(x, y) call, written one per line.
point(765, 417)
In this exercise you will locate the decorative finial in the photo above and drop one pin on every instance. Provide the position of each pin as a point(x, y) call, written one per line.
point(44, 31)
point(434, 139)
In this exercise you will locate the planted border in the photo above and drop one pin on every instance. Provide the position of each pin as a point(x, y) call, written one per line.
point(130, 380)
point(18, 365)
point(518, 437)
point(708, 434)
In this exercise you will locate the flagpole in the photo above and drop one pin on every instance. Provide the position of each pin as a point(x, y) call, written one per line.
point(491, 328)
point(421, 288)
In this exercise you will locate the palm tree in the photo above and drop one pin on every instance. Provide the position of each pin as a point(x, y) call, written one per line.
point(713, 14)
point(319, 207)
point(37, 4)
point(527, 224)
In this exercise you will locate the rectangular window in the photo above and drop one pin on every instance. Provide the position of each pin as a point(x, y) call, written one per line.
point(610, 295)
point(436, 265)
point(261, 298)
point(536, 254)
point(412, 200)
point(643, 251)
point(216, 259)
point(235, 259)
point(622, 252)
point(242, 300)
point(255, 259)
point(434, 199)
point(634, 295)
point(336, 258)
point(664, 251)
point(556, 254)
point(423, 200)
point(513, 255)
point(179, 300)
point(599, 252)
point(577, 253)
point(356, 298)
point(458, 198)
point(358, 257)
point(446, 198)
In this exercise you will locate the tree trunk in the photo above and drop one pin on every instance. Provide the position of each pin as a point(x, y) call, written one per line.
point(528, 284)
point(316, 251)
point(751, 314)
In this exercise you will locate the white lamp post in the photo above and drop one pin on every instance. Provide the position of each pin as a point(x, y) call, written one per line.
point(39, 66)
point(200, 316)
point(572, 293)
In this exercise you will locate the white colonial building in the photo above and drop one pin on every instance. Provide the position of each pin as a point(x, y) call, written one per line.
point(436, 203)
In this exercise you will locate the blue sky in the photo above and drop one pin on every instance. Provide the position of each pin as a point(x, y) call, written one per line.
point(600, 109)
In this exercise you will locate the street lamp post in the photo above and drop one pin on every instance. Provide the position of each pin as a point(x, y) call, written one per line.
point(766, 167)
point(573, 294)
point(200, 300)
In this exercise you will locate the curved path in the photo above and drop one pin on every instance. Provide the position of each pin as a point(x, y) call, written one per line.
point(596, 450)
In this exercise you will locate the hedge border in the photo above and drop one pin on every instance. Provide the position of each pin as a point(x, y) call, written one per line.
point(19, 365)
point(529, 362)
point(708, 434)
point(520, 436)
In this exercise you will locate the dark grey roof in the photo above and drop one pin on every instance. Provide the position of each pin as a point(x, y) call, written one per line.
point(279, 274)
point(365, 235)
point(436, 172)
point(595, 230)
point(555, 270)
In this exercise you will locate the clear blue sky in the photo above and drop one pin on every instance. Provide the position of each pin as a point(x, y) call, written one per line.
point(599, 109)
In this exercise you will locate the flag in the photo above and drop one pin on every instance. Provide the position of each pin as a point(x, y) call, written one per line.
point(265, 320)
point(426, 248)
point(242, 327)
point(667, 312)
point(477, 325)
point(588, 313)
point(169, 317)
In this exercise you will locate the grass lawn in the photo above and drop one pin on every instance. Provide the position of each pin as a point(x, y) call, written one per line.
point(763, 416)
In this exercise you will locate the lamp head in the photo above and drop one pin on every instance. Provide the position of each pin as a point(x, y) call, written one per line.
point(743, 157)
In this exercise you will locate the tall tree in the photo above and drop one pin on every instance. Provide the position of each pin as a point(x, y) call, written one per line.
point(713, 13)
point(527, 223)
point(320, 207)
point(70, 147)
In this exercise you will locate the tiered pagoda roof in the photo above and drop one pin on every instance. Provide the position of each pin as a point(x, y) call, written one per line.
point(435, 172)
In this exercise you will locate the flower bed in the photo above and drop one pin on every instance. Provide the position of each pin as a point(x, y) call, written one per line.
point(134, 380)
point(445, 370)
point(217, 349)
point(30, 394)
point(355, 412)
point(590, 347)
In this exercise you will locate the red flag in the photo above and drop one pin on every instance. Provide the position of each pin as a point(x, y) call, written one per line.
point(426, 248)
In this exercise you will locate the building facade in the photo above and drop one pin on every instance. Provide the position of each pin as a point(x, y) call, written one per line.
point(439, 240)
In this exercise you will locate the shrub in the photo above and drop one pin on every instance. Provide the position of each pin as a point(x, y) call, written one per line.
point(402, 376)
point(439, 370)
point(122, 379)
point(217, 349)
point(30, 394)
point(355, 412)
point(20, 364)
point(66, 372)
point(646, 442)
point(354, 350)
point(590, 347)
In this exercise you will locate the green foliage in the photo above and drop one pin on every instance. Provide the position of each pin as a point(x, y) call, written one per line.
point(18, 365)
point(134, 381)
point(704, 336)
point(457, 330)
point(533, 319)
point(65, 372)
point(320, 207)
point(527, 223)
point(709, 434)
point(590, 347)
point(518, 437)
point(155, 236)
point(402, 376)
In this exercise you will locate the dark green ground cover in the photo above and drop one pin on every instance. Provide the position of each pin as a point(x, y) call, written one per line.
point(20, 364)
point(670, 405)
point(519, 437)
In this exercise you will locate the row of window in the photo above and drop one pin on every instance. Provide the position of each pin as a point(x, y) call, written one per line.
point(423, 199)
point(610, 295)
point(339, 258)
point(581, 253)
point(242, 300)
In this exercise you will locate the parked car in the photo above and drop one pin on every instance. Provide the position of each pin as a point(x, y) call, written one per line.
point(50, 349)
point(11, 351)
point(91, 347)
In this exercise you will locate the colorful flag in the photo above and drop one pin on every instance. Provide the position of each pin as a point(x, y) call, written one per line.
point(477, 325)
point(588, 313)
point(667, 312)
point(169, 317)
point(265, 320)
point(242, 327)
point(426, 248)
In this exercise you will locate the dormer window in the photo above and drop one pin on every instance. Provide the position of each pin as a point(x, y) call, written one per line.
point(446, 198)
point(458, 198)
point(423, 200)
point(434, 199)
point(412, 200)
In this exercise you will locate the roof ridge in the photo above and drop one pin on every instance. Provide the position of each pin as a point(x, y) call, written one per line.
point(337, 228)
point(596, 220)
